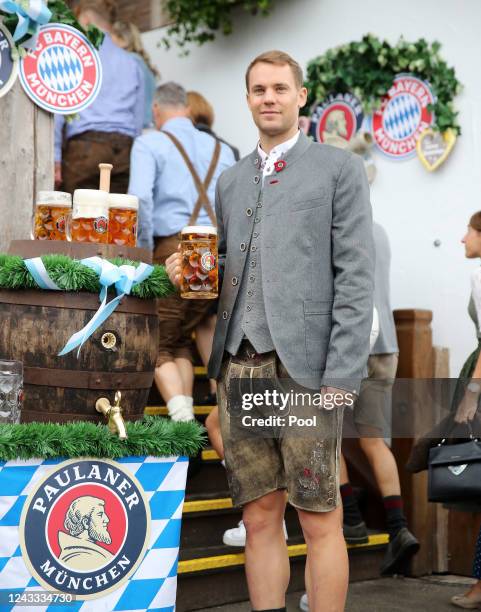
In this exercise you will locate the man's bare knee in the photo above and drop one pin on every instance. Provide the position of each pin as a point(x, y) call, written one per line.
point(264, 514)
point(371, 444)
point(320, 525)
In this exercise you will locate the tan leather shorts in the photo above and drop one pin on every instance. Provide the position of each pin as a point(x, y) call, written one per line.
point(307, 466)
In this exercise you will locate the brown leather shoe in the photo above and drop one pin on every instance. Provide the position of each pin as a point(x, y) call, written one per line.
point(468, 603)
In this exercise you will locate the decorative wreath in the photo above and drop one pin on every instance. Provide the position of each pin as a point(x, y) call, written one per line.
point(71, 275)
point(367, 69)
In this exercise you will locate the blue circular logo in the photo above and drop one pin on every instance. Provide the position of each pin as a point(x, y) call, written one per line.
point(85, 527)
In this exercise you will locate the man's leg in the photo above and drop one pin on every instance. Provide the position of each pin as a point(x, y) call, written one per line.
point(186, 371)
point(267, 561)
point(327, 566)
point(204, 335)
point(212, 425)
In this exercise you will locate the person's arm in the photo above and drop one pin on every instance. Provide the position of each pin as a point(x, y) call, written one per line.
point(469, 404)
point(59, 121)
point(353, 259)
point(142, 183)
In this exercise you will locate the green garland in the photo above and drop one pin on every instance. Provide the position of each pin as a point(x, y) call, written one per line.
point(198, 21)
point(368, 68)
point(60, 14)
point(155, 436)
point(71, 275)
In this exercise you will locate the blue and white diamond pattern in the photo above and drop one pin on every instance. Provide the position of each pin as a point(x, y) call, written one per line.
point(60, 68)
point(153, 586)
point(402, 116)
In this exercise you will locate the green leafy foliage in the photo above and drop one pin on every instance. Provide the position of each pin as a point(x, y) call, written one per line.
point(154, 436)
point(71, 275)
point(198, 21)
point(60, 14)
point(367, 69)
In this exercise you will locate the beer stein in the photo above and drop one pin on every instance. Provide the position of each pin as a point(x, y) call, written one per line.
point(199, 278)
point(50, 215)
point(89, 221)
point(123, 212)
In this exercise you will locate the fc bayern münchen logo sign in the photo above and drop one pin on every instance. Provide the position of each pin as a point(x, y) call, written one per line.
point(403, 117)
point(85, 527)
point(339, 116)
point(63, 73)
point(8, 66)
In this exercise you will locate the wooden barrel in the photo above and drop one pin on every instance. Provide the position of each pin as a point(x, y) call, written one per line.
point(120, 355)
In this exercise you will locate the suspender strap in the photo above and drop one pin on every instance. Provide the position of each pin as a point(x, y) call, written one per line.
point(202, 187)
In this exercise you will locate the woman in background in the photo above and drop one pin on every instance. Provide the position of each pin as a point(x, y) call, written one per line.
point(202, 115)
point(468, 391)
point(127, 36)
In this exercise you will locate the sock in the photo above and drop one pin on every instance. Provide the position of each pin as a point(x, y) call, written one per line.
point(223, 462)
point(272, 610)
point(180, 409)
point(395, 519)
point(352, 515)
point(189, 400)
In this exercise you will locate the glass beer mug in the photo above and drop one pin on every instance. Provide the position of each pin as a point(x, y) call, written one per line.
point(50, 216)
point(89, 221)
point(123, 211)
point(199, 278)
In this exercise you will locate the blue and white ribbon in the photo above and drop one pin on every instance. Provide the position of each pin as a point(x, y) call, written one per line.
point(31, 15)
point(40, 275)
point(123, 277)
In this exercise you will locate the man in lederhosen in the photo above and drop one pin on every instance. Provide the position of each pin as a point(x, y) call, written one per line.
point(174, 172)
point(297, 258)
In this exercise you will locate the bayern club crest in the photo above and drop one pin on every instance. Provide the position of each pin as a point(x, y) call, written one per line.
point(85, 527)
point(339, 116)
point(63, 74)
point(403, 117)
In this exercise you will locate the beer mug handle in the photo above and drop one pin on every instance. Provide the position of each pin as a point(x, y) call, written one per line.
point(68, 226)
point(32, 225)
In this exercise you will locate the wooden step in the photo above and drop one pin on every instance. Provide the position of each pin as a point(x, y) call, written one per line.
point(162, 410)
point(217, 562)
point(208, 580)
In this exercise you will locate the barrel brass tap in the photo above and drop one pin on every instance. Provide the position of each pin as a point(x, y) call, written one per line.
point(113, 414)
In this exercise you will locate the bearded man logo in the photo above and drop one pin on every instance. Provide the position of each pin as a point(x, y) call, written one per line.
point(86, 521)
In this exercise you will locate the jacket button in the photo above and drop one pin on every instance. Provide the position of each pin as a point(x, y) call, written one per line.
point(257, 220)
point(250, 293)
point(257, 179)
point(242, 246)
point(255, 235)
point(253, 264)
point(252, 278)
point(249, 212)
point(253, 248)
point(259, 204)
point(235, 280)
point(249, 308)
point(225, 314)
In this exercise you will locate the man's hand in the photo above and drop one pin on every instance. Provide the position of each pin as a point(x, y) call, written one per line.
point(173, 267)
point(58, 174)
point(335, 398)
point(467, 407)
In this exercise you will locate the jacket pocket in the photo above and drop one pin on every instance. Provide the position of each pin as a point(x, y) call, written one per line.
point(317, 324)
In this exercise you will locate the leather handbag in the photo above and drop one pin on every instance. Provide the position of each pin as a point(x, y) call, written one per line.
point(454, 471)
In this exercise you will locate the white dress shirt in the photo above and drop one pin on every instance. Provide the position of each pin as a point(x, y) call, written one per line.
point(268, 160)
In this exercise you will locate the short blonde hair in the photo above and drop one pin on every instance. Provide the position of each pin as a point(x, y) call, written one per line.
point(200, 110)
point(277, 58)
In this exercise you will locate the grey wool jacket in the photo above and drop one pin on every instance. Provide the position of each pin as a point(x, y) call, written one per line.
point(316, 245)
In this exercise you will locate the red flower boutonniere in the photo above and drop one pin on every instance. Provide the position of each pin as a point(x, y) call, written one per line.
point(279, 165)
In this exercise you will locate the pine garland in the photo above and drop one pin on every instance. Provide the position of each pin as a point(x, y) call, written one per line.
point(71, 275)
point(154, 436)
